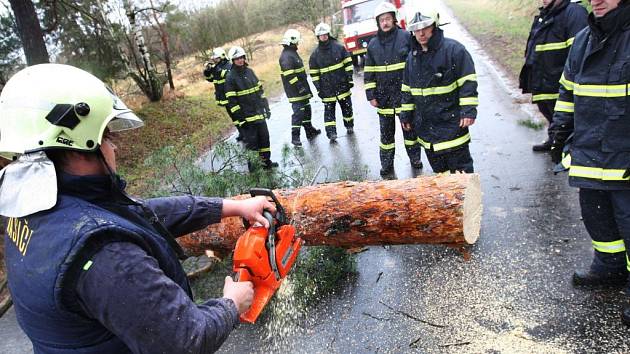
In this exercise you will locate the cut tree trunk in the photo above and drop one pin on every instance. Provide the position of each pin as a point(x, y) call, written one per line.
point(436, 210)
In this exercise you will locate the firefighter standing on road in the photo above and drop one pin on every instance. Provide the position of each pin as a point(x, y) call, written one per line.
point(296, 87)
point(384, 66)
point(330, 67)
point(547, 48)
point(90, 269)
point(246, 100)
point(594, 107)
point(439, 94)
point(216, 72)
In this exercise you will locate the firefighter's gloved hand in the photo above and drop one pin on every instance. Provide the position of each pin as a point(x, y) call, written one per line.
point(556, 151)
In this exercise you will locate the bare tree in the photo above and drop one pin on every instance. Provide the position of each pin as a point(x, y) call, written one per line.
point(30, 31)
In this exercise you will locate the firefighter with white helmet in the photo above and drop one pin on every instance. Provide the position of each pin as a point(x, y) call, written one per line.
point(247, 101)
point(84, 259)
point(439, 94)
point(383, 72)
point(216, 72)
point(296, 87)
point(330, 67)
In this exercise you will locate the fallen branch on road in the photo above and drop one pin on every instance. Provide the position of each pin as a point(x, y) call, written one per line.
point(411, 316)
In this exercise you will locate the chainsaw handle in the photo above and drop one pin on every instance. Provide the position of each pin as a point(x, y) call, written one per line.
point(242, 275)
point(281, 216)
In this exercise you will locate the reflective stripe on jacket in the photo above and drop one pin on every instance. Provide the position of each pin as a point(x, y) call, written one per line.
point(246, 98)
point(293, 75)
point(552, 33)
point(217, 74)
point(594, 103)
point(439, 88)
point(330, 67)
point(384, 66)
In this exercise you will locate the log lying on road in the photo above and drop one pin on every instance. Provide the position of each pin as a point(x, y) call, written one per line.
point(436, 209)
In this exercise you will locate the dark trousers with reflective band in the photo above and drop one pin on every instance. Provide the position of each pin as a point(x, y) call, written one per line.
point(387, 148)
point(546, 107)
point(301, 118)
point(457, 160)
point(256, 137)
point(330, 120)
point(606, 216)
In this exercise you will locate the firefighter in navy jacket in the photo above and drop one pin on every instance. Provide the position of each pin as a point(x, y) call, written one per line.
point(216, 72)
point(592, 121)
point(296, 87)
point(439, 94)
point(330, 67)
point(550, 38)
point(384, 66)
point(90, 269)
point(247, 101)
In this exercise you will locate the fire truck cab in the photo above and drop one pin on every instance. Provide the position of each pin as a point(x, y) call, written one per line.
point(359, 25)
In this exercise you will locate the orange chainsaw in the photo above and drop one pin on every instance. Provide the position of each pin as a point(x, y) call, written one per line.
point(265, 256)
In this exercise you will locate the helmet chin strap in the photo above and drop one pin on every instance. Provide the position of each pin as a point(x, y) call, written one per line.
point(118, 193)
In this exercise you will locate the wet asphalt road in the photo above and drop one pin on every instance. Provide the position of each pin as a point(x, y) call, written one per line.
point(513, 295)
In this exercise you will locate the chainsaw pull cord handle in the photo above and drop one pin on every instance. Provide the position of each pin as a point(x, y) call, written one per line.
point(271, 244)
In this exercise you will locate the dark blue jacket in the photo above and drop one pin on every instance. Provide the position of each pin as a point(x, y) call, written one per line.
point(330, 67)
point(217, 74)
point(552, 33)
point(48, 252)
point(594, 103)
point(384, 67)
point(245, 94)
point(439, 88)
point(293, 75)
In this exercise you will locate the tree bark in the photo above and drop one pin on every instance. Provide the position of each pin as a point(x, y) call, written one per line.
point(437, 210)
point(30, 32)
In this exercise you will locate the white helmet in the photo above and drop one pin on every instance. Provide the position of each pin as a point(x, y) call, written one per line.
point(218, 53)
point(236, 52)
point(322, 28)
point(423, 19)
point(383, 8)
point(54, 106)
point(291, 36)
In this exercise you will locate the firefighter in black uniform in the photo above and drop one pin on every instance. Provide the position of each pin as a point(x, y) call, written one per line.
point(547, 48)
point(384, 66)
point(216, 72)
point(594, 107)
point(246, 100)
point(330, 67)
point(296, 87)
point(439, 94)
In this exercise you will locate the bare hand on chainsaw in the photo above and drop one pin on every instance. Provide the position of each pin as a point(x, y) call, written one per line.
point(250, 209)
point(242, 293)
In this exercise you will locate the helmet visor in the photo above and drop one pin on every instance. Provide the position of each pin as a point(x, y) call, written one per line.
point(124, 120)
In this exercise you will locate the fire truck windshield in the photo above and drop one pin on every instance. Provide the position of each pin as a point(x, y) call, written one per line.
point(359, 12)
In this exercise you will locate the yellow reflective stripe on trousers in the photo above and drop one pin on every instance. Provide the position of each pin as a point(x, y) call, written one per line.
point(338, 97)
point(348, 119)
point(330, 124)
point(301, 98)
point(383, 68)
point(451, 143)
point(235, 108)
point(568, 85)
point(545, 96)
point(554, 45)
point(601, 90)
point(469, 101)
point(293, 71)
point(254, 118)
point(265, 149)
point(603, 174)
point(293, 80)
point(406, 107)
point(388, 146)
point(411, 142)
point(564, 106)
point(386, 111)
point(315, 78)
point(369, 85)
point(609, 247)
point(218, 82)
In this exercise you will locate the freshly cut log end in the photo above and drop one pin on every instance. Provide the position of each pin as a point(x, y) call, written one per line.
point(473, 209)
point(435, 209)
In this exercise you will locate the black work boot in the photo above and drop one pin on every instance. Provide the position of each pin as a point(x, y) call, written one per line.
point(350, 130)
point(387, 171)
point(295, 140)
point(416, 164)
point(312, 132)
point(332, 137)
point(544, 146)
point(591, 279)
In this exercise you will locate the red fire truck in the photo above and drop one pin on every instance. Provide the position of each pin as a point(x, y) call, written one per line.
point(359, 25)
